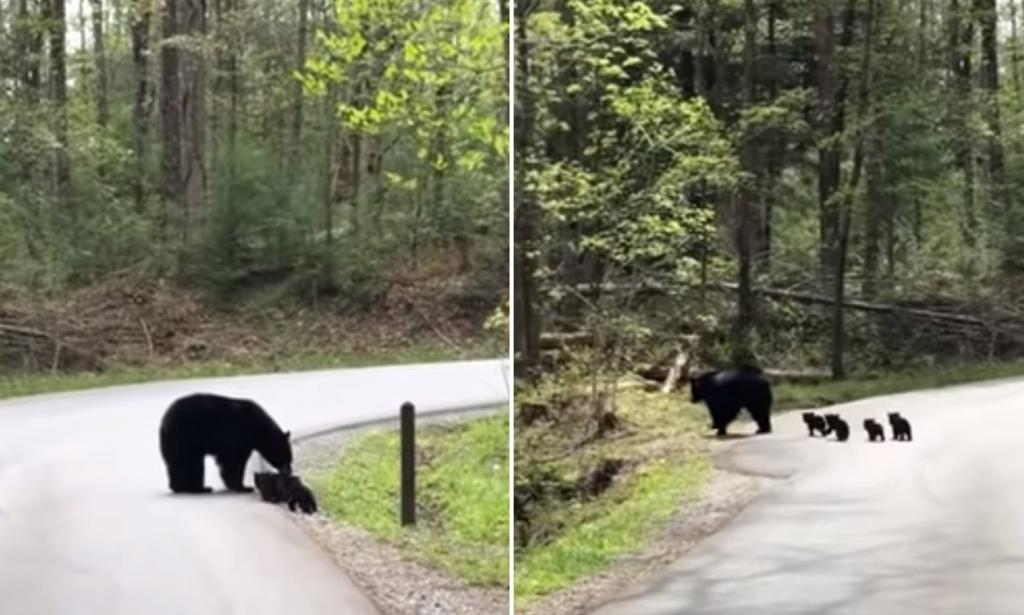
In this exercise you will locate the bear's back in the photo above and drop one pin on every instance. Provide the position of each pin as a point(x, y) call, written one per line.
point(212, 419)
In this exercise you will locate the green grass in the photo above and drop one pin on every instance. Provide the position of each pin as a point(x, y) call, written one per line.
point(667, 466)
point(632, 514)
point(462, 490)
point(31, 384)
point(788, 395)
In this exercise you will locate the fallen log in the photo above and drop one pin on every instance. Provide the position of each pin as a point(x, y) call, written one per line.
point(793, 295)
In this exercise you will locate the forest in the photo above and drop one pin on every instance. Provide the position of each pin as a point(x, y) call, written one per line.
point(309, 153)
point(817, 184)
point(826, 189)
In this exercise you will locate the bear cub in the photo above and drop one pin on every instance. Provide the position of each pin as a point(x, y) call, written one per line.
point(285, 488)
point(228, 429)
point(815, 423)
point(874, 429)
point(726, 392)
point(900, 427)
point(839, 426)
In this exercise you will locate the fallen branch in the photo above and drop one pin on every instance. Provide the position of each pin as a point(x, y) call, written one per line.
point(149, 338)
point(793, 295)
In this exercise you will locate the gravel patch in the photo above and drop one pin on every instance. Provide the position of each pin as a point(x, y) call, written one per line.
point(727, 494)
point(397, 585)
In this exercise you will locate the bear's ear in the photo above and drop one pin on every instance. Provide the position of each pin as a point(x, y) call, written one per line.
point(287, 435)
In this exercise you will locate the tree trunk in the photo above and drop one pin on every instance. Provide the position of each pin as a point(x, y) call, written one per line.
point(59, 93)
point(745, 221)
point(31, 48)
point(830, 126)
point(100, 58)
point(775, 159)
point(297, 94)
point(864, 113)
point(877, 208)
point(527, 325)
point(834, 225)
point(194, 119)
point(1015, 64)
point(331, 134)
point(141, 18)
point(961, 33)
point(171, 111)
point(234, 65)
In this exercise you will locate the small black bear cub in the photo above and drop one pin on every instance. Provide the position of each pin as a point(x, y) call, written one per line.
point(815, 423)
point(874, 429)
point(900, 427)
point(838, 425)
point(285, 488)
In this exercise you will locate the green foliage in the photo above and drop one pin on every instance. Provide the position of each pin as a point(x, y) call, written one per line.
point(562, 538)
point(462, 520)
point(420, 96)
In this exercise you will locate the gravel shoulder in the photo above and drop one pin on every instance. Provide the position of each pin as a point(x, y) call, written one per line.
point(397, 585)
point(727, 494)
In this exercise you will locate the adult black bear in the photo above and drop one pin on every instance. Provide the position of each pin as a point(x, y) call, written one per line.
point(900, 427)
point(728, 391)
point(277, 488)
point(839, 426)
point(229, 429)
point(874, 429)
point(815, 423)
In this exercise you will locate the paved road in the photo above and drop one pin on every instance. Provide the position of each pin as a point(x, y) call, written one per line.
point(87, 525)
point(932, 527)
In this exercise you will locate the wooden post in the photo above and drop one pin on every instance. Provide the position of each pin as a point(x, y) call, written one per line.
point(408, 464)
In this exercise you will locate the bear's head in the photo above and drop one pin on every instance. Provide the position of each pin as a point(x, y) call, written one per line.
point(277, 450)
point(696, 392)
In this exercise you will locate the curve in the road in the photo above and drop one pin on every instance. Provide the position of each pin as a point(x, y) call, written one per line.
point(931, 527)
point(87, 525)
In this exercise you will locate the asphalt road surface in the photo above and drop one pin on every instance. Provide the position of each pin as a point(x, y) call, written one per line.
point(935, 526)
point(88, 526)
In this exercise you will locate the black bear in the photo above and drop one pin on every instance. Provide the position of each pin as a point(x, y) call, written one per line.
point(839, 426)
point(815, 423)
point(728, 391)
point(874, 429)
point(229, 429)
point(277, 488)
point(900, 427)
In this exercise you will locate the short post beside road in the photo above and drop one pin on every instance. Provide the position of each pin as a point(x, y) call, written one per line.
point(408, 464)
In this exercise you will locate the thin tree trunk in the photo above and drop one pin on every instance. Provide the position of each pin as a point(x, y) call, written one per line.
point(1015, 64)
point(745, 219)
point(774, 162)
point(961, 29)
point(171, 112)
point(194, 121)
point(141, 19)
point(864, 113)
point(527, 325)
point(300, 60)
point(330, 154)
point(830, 126)
point(331, 134)
point(100, 58)
point(59, 93)
point(832, 86)
point(234, 76)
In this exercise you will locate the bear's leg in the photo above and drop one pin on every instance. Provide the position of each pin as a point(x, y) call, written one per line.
point(232, 470)
point(761, 413)
point(722, 413)
point(186, 474)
